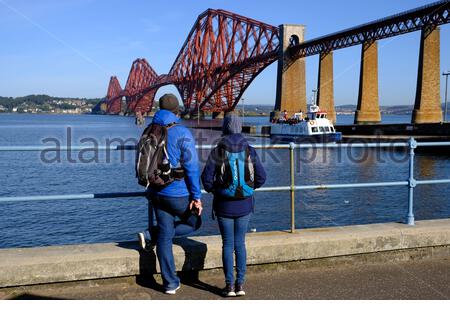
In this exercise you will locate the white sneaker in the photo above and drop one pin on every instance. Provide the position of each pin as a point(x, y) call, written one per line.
point(240, 290)
point(231, 294)
point(173, 291)
point(229, 291)
point(142, 241)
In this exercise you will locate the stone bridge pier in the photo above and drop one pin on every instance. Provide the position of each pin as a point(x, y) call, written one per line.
point(427, 107)
point(325, 88)
point(291, 77)
point(368, 109)
point(291, 80)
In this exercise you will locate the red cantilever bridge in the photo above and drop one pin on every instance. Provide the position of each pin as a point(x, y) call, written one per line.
point(221, 56)
point(224, 52)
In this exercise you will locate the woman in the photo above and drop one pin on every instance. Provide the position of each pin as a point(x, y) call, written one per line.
point(231, 173)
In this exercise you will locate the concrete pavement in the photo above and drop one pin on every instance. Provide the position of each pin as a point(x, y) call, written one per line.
point(414, 279)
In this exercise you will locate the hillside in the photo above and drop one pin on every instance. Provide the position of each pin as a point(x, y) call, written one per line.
point(46, 104)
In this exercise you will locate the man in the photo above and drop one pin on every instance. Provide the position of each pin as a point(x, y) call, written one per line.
point(177, 206)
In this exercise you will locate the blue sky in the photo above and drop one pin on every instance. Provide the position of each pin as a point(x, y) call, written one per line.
point(71, 48)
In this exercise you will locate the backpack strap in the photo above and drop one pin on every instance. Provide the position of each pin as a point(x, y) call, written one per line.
point(178, 172)
point(249, 168)
point(222, 163)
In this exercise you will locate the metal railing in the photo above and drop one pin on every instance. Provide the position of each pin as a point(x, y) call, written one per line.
point(410, 182)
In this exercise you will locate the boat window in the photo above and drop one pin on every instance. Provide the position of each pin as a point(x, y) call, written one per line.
point(327, 129)
point(314, 129)
point(332, 129)
point(322, 129)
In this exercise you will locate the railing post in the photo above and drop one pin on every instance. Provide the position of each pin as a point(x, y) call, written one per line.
point(151, 217)
point(411, 183)
point(292, 171)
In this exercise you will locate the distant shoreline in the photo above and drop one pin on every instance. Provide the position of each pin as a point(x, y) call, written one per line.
point(44, 104)
point(246, 114)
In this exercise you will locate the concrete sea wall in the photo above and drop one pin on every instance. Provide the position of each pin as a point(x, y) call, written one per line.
point(26, 266)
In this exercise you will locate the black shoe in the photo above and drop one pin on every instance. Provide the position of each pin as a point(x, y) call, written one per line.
point(240, 290)
point(229, 291)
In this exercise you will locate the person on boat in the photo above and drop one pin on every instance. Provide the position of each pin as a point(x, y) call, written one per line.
point(283, 116)
point(232, 172)
point(298, 116)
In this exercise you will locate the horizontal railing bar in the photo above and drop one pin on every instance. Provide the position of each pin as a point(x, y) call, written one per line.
point(264, 146)
point(433, 144)
point(351, 145)
point(74, 196)
point(257, 146)
point(432, 181)
point(265, 189)
point(143, 193)
point(208, 147)
point(66, 148)
point(352, 185)
point(117, 148)
point(273, 189)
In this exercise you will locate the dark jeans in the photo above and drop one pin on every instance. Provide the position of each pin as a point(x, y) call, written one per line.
point(173, 221)
point(233, 232)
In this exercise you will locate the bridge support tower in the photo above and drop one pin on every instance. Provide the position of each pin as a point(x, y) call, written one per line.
point(291, 78)
point(325, 94)
point(427, 107)
point(368, 109)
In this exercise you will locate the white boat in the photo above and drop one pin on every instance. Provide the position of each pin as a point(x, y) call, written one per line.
point(314, 128)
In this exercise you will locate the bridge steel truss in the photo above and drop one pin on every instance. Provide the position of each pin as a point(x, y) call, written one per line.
point(431, 15)
point(221, 56)
point(224, 52)
point(141, 76)
point(114, 96)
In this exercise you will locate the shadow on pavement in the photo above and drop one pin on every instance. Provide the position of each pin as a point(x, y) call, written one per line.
point(30, 296)
point(147, 266)
point(194, 260)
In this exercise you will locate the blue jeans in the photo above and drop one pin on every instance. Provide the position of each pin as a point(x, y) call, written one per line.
point(173, 221)
point(233, 232)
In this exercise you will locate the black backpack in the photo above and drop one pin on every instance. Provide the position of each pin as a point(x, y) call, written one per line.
point(152, 161)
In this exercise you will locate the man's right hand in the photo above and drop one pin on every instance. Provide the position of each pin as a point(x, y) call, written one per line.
point(197, 204)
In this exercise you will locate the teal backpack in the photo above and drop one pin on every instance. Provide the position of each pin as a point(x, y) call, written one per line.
point(234, 177)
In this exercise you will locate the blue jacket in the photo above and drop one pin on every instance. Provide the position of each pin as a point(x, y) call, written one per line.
point(182, 153)
point(232, 208)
